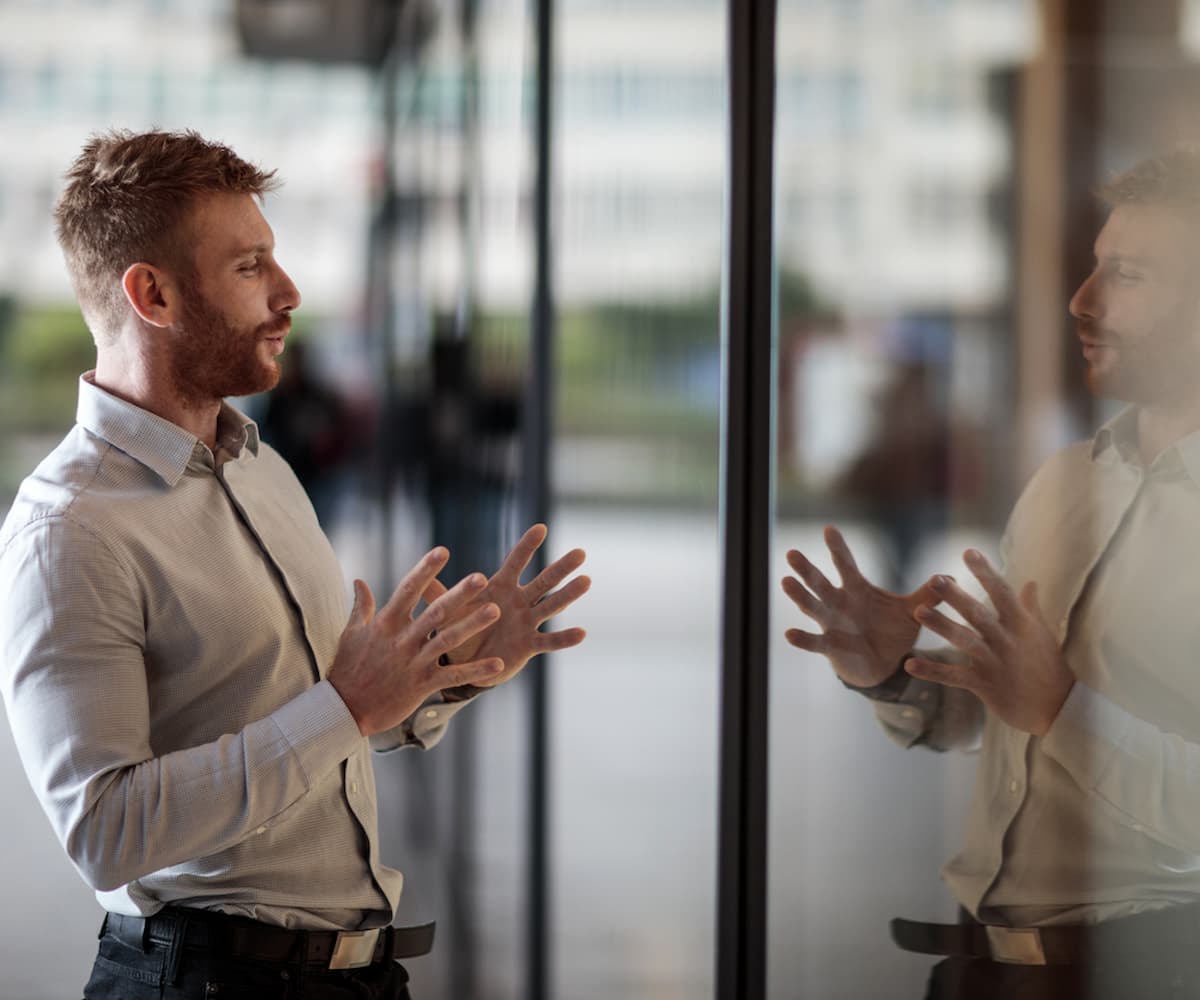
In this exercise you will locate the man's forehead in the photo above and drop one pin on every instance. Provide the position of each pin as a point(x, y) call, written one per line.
point(230, 224)
point(1151, 231)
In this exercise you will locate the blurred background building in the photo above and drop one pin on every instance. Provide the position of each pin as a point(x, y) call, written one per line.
point(932, 163)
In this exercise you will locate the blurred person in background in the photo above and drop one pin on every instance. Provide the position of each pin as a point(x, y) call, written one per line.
point(1077, 679)
point(305, 419)
point(190, 702)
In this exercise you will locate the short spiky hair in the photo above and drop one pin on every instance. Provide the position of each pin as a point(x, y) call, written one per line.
point(126, 200)
point(1172, 176)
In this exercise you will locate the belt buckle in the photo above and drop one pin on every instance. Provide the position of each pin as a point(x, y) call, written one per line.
point(354, 949)
point(1016, 945)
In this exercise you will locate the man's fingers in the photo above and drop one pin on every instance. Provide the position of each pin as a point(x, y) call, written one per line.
point(959, 636)
point(552, 604)
point(924, 594)
point(802, 597)
point(364, 604)
point(514, 564)
point(810, 641)
point(843, 561)
point(443, 608)
point(817, 582)
point(1003, 598)
point(408, 592)
point(432, 592)
point(977, 614)
point(478, 672)
point(458, 632)
point(552, 642)
point(1029, 601)
point(554, 574)
point(949, 674)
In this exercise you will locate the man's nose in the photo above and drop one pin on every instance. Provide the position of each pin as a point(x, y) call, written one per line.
point(1085, 303)
point(286, 295)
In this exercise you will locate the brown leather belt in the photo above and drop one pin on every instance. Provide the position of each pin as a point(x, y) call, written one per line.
point(1056, 945)
point(240, 937)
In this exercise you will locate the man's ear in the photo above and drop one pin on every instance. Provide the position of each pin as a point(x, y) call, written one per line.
point(150, 293)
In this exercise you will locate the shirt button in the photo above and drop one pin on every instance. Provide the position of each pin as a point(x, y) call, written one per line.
point(261, 829)
point(354, 788)
point(431, 713)
point(1013, 786)
point(908, 713)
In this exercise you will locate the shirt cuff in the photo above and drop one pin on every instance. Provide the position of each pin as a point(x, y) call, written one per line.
point(424, 728)
point(319, 728)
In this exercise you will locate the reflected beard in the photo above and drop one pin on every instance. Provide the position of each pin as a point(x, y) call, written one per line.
point(1162, 368)
point(213, 359)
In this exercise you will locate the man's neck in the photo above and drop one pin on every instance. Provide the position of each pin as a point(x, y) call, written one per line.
point(1160, 426)
point(140, 381)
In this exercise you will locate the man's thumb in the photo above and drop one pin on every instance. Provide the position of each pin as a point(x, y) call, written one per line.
point(364, 604)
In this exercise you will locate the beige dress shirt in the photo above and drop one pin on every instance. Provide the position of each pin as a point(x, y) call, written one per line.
point(1100, 818)
point(168, 619)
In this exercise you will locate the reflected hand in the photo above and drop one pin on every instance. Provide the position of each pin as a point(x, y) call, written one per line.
point(515, 638)
point(865, 630)
point(1015, 665)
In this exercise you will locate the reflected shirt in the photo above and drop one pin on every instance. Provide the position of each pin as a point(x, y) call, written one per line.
point(1100, 818)
point(170, 616)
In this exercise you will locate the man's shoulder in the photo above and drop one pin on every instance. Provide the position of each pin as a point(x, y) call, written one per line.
point(62, 486)
point(1066, 465)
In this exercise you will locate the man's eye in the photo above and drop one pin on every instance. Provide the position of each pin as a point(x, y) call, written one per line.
point(1129, 276)
point(249, 268)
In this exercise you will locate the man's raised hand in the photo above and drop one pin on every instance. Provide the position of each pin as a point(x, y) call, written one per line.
point(515, 638)
point(1014, 663)
point(865, 630)
point(386, 663)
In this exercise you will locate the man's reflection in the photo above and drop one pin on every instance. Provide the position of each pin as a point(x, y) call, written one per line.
point(1079, 678)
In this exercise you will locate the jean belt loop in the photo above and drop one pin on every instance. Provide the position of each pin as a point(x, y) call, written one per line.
point(179, 925)
point(131, 931)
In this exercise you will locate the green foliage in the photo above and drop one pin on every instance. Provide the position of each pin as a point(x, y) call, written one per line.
point(42, 353)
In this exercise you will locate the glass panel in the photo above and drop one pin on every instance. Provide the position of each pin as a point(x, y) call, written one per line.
point(935, 166)
point(639, 153)
point(895, 164)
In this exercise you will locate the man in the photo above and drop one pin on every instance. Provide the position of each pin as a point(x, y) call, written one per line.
point(1078, 678)
point(188, 699)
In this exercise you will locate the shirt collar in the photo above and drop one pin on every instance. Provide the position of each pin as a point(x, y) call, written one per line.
point(163, 447)
point(1117, 440)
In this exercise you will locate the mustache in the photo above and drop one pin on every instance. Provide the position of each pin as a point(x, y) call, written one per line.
point(274, 327)
point(1097, 335)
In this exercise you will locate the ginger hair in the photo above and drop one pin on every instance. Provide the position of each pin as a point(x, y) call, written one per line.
point(128, 200)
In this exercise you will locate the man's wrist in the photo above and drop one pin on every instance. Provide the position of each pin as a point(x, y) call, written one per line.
point(891, 688)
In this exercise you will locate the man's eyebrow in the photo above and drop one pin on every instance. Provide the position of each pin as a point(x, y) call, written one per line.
point(1126, 258)
point(252, 251)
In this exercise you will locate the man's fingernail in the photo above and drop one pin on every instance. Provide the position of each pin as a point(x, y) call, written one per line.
point(940, 582)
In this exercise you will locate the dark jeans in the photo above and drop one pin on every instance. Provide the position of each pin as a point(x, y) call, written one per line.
point(171, 972)
point(1150, 975)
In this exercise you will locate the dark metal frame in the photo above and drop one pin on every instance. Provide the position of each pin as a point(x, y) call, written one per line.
point(535, 450)
point(746, 503)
